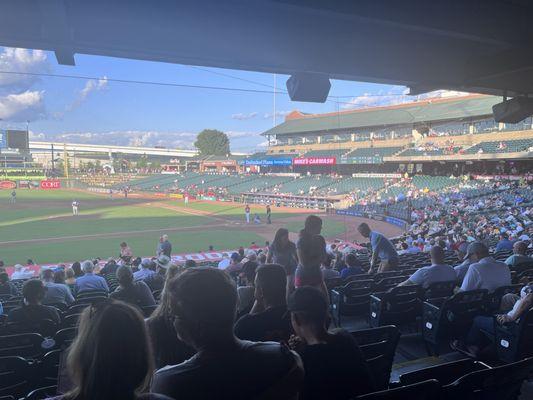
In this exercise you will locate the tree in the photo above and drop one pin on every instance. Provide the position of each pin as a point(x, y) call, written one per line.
point(212, 142)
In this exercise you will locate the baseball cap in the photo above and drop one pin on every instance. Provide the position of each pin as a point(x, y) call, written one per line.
point(163, 261)
point(146, 262)
point(475, 247)
point(308, 300)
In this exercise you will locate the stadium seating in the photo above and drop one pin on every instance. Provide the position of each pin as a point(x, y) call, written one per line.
point(374, 152)
point(338, 153)
point(510, 146)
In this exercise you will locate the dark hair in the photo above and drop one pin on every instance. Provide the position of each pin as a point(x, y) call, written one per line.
point(249, 269)
point(313, 224)
point(76, 267)
point(280, 233)
point(190, 264)
point(47, 275)
point(272, 280)
point(205, 300)
point(111, 357)
point(33, 291)
point(311, 249)
point(124, 275)
point(4, 277)
point(137, 261)
point(123, 244)
point(351, 260)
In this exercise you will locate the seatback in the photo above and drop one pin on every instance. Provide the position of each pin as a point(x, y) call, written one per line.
point(460, 309)
point(378, 346)
point(439, 289)
point(500, 383)
point(427, 390)
point(495, 298)
point(513, 341)
point(26, 345)
point(444, 373)
point(16, 376)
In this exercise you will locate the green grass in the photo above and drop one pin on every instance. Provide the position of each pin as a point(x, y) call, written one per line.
point(41, 214)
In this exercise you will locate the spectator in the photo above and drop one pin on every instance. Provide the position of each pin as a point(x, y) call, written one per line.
point(60, 276)
point(76, 267)
point(190, 264)
point(382, 248)
point(32, 311)
point(110, 268)
point(504, 244)
point(246, 292)
point(90, 281)
point(146, 270)
point(156, 281)
point(353, 266)
point(484, 272)
point(519, 257)
point(311, 253)
point(203, 303)
point(334, 365)
point(438, 271)
point(164, 247)
point(460, 271)
point(111, 356)
point(267, 321)
point(125, 252)
point(137, 293)
point(283, 252)
point(235, 265)
point(328, 272)
point(6, 287)
point(167, 347)
point(70, 278)
point(21, 272)
point(56, 293)
point(477, 338)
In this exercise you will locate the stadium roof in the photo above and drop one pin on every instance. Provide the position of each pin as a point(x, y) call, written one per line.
point(430, 110)
point(477, 46)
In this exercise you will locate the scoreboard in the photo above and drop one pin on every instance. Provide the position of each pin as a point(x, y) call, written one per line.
point(14, 139)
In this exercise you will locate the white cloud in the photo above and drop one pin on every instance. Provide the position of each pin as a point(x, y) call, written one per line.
point(92, 85)
point(243, 117)
point(278, 114)
point(397, 95)
point(23, 61)
point(17, 101)
point(23, 106)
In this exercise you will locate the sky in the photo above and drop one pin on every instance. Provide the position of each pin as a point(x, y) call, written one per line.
point(100, 110)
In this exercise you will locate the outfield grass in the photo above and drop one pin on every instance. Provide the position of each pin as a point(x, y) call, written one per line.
point(41, 215)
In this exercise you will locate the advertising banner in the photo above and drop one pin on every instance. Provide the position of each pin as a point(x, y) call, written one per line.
point(50, 184)
point(315, 161)
point(266, 162)
point(8, 185)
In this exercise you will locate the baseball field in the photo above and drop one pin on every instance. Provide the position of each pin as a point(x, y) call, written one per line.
point(40, 225)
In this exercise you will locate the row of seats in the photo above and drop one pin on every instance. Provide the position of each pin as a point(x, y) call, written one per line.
point(510, 146)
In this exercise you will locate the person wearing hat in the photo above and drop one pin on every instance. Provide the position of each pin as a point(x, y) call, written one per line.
point(146, 269)
point(485, 272)
point(334, 365)
point(156, 281)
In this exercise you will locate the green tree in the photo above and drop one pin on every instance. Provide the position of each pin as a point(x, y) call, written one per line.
point(212, 142)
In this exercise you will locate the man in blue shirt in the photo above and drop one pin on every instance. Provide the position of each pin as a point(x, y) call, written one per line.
point(438, 271)
point(145, 270)
point(90, 281)
point(382, 248)
point(352, 266)
point(164, 246)
point(504, 244)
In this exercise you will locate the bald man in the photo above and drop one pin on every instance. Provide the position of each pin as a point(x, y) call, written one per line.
point(438, 271)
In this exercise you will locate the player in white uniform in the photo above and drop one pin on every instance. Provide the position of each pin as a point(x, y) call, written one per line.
point(75, 206)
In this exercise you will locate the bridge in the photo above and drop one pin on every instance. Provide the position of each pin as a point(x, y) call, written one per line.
point(108, 149)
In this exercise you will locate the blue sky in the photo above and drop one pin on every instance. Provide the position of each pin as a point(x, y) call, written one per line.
point(102, 111)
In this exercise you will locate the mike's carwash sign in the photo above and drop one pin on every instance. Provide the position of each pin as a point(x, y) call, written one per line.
point(315, 161)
